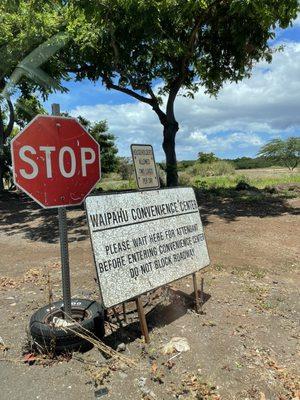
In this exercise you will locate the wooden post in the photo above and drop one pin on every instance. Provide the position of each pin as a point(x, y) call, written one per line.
point(142, 318)
point(124, 313)
point(197, 306)
point(202, 295)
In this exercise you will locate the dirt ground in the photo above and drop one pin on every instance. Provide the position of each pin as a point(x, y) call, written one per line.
point(245, 345)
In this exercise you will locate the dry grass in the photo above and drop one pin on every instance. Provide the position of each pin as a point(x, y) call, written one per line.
point(39, 277)
point(83, 333)
point(195, 387)
point(267, 172)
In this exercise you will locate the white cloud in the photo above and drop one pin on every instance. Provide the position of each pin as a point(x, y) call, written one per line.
point(297, 21)
point(207, 143)
point(243, 116)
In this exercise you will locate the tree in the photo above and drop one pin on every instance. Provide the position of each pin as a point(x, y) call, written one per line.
point(26, 108)
point(133, 46)
point(31, 33)
point(286, 152)
point(99, 131)
point(6, 128)
point(207, 158)
point(125, 168)
point(7, 175)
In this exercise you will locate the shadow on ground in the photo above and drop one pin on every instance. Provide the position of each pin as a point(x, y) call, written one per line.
point(231, 204)
point(21, 215)
point(162, 314)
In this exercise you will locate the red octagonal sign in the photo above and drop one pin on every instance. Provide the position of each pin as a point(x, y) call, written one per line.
point(55, 161)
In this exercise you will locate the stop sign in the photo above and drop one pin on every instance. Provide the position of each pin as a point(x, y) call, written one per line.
point(55, 161)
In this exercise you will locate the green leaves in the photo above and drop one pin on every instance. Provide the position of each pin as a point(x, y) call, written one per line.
point(99, 130)
point(31, 33)
point(26, 108)
point(176, 42)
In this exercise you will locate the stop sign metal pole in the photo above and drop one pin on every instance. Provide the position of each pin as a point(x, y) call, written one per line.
point(64, 251)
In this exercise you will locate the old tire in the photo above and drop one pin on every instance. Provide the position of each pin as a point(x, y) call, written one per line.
point(88, 314)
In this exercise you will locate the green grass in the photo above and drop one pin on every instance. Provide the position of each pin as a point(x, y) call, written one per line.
point(112, 182)
point(220, 185)
point(230, 181)
point(262, 183)
point(217, 182)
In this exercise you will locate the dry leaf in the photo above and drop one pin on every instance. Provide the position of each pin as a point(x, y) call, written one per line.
point(29, 358)
point(262, 396)
point(154, 367)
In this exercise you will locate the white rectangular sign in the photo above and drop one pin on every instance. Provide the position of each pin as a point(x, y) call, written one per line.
point(143, 240)
point(144, 166)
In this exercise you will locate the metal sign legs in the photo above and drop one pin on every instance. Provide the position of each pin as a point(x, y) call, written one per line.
point(141, 313)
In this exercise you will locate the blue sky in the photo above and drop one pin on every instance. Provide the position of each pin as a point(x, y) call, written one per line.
point(236, 124)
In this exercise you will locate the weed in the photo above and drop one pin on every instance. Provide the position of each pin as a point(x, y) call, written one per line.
point(219, 267)
point(185, 179)
point(253, 289)
point(196, 387)
point(266, 305)
point(257, 274)
point(98, 375)
point(238, 365)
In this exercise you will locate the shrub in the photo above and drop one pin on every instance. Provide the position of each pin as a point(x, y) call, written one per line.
point(125, 168)
point(201, 184)
point(217, 168)
point(208, 158)
point(185, 179)
point(161, 175)
point(240, 179)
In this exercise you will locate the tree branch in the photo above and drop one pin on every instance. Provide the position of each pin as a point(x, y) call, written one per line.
point(183, 67)
point(152, 100)
point(183, 71)
point(11, 122)
point(114, 46)
point(152, 94)
point(161, 115)
point(1, 131)
point(130, 92)
point(171, 99)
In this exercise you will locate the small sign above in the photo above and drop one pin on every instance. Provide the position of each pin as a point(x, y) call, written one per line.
point(143, 240)
point(144, 165)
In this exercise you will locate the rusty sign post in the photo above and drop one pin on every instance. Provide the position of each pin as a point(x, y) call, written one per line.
point(64, 247)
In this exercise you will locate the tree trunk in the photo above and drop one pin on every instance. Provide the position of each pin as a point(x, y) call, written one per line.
point(170, 130)
point(1, 177)
point(5, 131)
point(1, 156)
